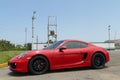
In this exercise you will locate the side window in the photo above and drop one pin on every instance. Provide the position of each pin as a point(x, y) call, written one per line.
point(69, 44)
point(83, 45)
point(75, 45)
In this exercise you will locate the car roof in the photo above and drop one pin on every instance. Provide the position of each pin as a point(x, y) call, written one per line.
point(67, 40)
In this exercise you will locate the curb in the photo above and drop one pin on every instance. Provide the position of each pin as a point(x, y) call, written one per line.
point(3, 65)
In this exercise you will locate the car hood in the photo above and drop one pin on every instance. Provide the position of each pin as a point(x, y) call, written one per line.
point(35, 52)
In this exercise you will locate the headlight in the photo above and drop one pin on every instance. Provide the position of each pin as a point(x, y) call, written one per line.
point(22, 55)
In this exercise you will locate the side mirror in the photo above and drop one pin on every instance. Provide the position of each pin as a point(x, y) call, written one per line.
point(62, 48)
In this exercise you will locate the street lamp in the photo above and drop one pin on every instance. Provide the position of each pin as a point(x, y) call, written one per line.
point(109, 28)
point(33, 18)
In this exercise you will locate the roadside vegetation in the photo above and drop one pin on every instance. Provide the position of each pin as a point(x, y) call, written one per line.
point(5, 56)
point(9, 50)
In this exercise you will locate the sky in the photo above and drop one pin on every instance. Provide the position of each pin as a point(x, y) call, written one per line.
point(86, 20)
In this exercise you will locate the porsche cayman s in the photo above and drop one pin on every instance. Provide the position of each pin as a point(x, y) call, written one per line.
point(60, 55)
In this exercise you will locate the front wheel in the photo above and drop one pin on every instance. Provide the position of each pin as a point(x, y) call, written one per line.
point(98, 61)
point(38, 65)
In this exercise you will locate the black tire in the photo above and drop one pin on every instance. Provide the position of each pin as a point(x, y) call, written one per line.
point(98, 61)
point(38, 65)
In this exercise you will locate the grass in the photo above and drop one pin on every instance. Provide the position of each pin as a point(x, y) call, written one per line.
point(5, 56)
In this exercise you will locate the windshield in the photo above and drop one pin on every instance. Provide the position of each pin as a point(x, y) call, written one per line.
point(54, 45)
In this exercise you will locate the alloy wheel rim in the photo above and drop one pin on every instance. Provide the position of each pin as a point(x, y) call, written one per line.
point(38, 65)
point(98, 60)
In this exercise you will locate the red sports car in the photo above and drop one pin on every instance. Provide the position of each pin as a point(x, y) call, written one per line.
point(60, 55)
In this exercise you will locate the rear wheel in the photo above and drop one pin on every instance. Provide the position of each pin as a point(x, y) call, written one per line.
point(38, 65)
point(98, 61)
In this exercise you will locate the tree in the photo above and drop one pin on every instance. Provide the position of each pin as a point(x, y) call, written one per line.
point(28, 46)
point(19, 47)
point(6, 45)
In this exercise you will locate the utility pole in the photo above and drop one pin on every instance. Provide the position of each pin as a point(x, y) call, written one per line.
point(109, 28)
point(26, 38)
point(33, 18)
point(37, 43)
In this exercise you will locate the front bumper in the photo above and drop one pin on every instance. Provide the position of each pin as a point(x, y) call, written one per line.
point(18, 65)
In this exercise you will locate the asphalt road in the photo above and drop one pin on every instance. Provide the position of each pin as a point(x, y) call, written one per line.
point(110, 72)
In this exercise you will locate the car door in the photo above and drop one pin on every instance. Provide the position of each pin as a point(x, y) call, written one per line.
point(73, 54)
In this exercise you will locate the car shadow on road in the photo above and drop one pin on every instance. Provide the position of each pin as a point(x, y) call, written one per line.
point(69, 70)
point(74, 69)
point(16, 74)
